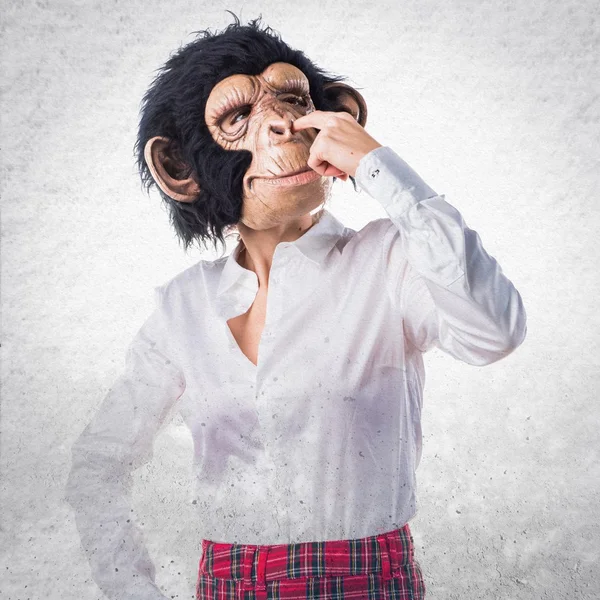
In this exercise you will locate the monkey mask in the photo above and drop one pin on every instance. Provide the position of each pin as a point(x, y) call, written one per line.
point(255, 113)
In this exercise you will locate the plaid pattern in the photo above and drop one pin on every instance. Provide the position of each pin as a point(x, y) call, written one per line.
point(380, 567)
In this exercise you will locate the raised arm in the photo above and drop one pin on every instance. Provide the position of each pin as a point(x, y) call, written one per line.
point(117, 441)
point(448, 290)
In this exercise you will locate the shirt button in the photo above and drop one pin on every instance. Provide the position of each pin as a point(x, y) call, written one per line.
point(374, 173)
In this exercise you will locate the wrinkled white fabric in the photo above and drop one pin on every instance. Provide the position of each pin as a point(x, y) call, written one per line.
point(320, 440)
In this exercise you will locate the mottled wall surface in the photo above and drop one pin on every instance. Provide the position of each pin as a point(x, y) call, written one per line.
point(495, 104)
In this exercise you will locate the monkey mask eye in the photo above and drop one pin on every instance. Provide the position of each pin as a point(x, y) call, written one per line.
point(300, 100)
point(231, 124)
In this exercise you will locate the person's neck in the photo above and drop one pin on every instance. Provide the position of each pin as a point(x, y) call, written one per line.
point(258, 246)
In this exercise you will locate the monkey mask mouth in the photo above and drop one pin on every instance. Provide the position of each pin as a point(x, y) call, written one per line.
point(292, 177)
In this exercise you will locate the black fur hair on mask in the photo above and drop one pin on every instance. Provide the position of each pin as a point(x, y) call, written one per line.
point(174, 107)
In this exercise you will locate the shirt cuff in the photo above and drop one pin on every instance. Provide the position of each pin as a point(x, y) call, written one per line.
point(390, 180)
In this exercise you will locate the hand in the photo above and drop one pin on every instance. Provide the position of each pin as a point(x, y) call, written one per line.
point(339, 145)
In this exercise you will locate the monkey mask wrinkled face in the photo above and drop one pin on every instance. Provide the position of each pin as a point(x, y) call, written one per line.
point(255, 113)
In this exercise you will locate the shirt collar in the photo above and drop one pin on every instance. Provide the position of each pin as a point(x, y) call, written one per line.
point(314, 245)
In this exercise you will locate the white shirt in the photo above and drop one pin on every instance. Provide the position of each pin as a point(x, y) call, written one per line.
point(320, 440)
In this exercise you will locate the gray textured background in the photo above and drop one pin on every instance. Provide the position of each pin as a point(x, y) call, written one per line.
point(495, 104)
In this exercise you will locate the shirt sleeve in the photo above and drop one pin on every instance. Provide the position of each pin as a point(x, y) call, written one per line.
point(118, 440)
point(449, 291)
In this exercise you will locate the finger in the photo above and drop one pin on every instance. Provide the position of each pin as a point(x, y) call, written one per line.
point(325, 168)
point(333, 171)
point(317, 119)
point(329, 170)
point(317, 164)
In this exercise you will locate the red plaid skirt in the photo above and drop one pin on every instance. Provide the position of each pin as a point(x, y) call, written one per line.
point(380, 567)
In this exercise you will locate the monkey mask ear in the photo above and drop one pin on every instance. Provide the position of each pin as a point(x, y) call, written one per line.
point(169, 171)
point(346, 98)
